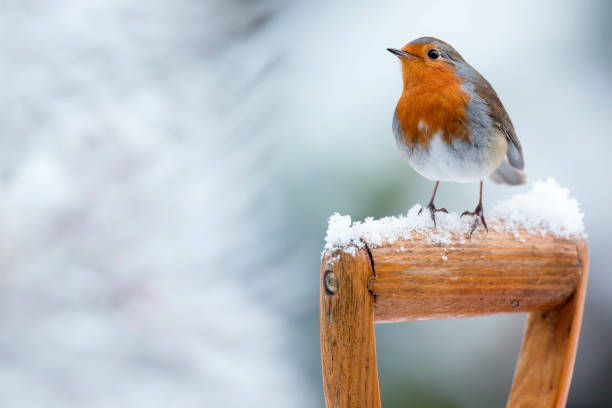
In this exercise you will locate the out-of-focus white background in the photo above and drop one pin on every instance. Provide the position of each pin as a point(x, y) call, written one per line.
point(167, 169)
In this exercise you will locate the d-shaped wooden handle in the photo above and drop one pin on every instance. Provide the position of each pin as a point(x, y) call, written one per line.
point(414, 280)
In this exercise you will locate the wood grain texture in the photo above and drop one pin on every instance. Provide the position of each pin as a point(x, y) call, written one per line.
point(544, 370)
point(417, 279)
point(490, 273)
point(348, 341)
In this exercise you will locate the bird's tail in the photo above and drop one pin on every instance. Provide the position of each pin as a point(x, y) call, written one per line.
point(505, 173)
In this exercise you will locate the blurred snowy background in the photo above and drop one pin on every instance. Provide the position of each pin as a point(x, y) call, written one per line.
point(167, 170)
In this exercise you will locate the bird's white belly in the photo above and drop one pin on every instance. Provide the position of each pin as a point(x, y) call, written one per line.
point(460, 161)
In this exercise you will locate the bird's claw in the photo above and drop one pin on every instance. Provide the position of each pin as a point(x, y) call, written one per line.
point(432, 211)
point(478, 212)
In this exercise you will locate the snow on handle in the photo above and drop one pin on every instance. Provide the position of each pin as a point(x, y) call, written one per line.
point(545, 209)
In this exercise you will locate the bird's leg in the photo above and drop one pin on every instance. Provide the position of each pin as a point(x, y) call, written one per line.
point(431, 207)
point(478, 211)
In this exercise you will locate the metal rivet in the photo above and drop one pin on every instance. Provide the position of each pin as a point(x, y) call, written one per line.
point(331, 282)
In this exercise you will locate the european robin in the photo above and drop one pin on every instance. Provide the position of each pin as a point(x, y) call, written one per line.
point(449, 123)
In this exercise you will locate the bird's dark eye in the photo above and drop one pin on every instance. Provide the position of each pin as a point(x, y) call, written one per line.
point(433, 54)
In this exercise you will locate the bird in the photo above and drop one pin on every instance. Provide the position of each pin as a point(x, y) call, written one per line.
point(450, 125)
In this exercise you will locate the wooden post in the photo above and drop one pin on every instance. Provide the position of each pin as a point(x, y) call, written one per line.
point(414, 280)
point(348, 340)
point(546, 362)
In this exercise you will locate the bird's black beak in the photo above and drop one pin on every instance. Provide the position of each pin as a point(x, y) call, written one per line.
point(400, 53)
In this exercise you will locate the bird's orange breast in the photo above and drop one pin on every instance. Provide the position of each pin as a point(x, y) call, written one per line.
point(433, 101)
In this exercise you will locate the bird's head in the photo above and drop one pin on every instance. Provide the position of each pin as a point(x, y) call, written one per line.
point(426, 56)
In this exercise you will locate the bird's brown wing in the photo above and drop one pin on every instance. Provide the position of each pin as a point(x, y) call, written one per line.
point(501, 120)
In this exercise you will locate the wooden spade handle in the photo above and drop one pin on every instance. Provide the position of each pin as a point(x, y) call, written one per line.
point(348, 340)
point(544, 370)
point(414, 280)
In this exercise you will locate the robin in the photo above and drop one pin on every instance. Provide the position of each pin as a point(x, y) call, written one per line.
point(449, 123)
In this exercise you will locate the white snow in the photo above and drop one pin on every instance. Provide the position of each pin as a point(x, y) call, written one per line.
point(545, 209)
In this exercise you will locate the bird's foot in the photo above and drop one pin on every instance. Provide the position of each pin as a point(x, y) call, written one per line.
point(432, 211)
point(478, 212)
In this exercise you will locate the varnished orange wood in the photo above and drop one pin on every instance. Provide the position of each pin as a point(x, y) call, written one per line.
point(490, 273)
point(417, 279)
point(544, 369)
point(348, 341)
